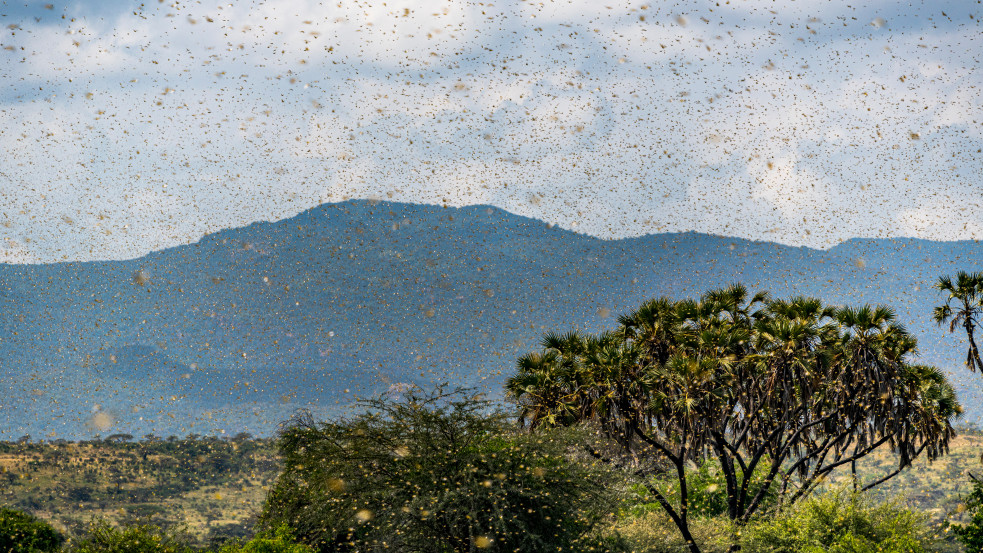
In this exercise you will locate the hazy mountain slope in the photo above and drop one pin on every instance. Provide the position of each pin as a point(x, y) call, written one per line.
point(240, 329)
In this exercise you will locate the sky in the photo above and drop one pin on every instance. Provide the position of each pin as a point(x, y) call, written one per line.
point(129, 127)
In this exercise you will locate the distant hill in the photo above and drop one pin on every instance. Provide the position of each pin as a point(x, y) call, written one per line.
point(239, 330)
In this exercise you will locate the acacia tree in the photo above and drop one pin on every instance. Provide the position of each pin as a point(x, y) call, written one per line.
point(967, 293)
point(434, 472)
point(789, 388)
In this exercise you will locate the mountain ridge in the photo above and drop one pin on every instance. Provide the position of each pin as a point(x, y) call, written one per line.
point(240, 329)
point(533, 220)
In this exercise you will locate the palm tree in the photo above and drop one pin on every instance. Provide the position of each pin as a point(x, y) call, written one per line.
point(654, 326)
point(539, 387)
point(789, 389)
point(967, 293)
point(871, 353)
point(925, 417)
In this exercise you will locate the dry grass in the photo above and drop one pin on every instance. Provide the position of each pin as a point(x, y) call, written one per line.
point(73, 484)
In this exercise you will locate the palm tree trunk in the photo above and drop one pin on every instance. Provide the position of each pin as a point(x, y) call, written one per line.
point(973, 359)
point(853, 471)
point(678, 518)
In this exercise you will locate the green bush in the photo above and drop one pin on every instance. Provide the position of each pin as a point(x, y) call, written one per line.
point(23, 533)
point(841, 521)
point(280, 540)
point(971, 534)
point(434, 473)
point(102, 537)
point(706, 491)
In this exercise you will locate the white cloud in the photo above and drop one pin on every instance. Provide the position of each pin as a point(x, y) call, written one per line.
point(13, 252)
point(945, 216)
point(794, 192)
point(618, 119)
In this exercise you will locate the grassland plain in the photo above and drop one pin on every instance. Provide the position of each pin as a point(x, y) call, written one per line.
point(935, 488)
point(204, 487)
point(209, 488)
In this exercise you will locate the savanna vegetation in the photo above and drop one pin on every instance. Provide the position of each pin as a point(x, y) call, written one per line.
point(722, 423)
point(201, 486)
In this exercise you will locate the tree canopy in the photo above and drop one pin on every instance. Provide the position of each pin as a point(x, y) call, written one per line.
point(433, 472)
point(792, 385)
point(24, 533)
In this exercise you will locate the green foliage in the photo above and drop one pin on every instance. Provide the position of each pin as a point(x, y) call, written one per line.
point(103, 537)
point(280, 540)
point(433, 473)
point(706, 489)
point(791, 388)
point(971, 534)
point(841, 521)
point(23, 533)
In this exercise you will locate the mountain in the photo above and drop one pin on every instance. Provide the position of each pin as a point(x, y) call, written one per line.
point(239, 330)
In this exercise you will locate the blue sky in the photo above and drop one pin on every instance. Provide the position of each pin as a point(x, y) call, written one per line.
point(130, 127)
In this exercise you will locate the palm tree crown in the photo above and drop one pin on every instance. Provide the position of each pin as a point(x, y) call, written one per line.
point(962, 308)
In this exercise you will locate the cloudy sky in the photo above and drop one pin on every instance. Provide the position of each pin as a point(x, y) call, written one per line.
point(127, 127)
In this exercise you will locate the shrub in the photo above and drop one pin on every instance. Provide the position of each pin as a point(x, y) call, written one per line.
point(24, 533)
point(706, 489)
point(433, 473)
point(105, 538)
point(278, 541)
point(841, 521)
point(971, 534)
